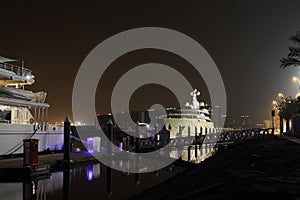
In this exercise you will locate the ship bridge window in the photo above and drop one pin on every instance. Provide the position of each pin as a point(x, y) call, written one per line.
point(5, 116)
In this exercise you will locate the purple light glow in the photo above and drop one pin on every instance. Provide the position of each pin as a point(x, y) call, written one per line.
point(121, 146)
point(90, 145)
point(89, 173)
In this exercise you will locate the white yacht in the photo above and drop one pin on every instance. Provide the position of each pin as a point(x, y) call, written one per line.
point(23, 113)
point(194, 115)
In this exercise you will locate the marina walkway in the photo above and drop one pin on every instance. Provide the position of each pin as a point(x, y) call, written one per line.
point(266, 168)
point(293, 139)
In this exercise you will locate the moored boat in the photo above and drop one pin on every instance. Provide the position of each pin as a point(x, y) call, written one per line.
point(194, 115)
point(23, 113)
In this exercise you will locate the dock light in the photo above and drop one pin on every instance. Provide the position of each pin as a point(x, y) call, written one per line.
point(297, 95)
point(90, 145)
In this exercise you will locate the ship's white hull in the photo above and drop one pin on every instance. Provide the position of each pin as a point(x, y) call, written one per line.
point(12, 136)
point(173, 124)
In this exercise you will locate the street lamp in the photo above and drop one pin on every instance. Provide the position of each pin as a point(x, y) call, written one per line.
point(296, 80)
point(280, 95)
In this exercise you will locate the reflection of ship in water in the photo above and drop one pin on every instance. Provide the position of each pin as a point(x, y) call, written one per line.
point(86, 181)
point(43, 187)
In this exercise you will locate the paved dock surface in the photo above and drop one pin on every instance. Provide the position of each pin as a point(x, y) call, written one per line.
point(257, 169)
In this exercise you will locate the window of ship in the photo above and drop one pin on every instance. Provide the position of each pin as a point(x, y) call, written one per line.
point(25, 115)
point(1, 116)
point(16, 115)
point(5, 116)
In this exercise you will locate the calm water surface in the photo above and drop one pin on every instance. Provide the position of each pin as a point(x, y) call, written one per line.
point(83, 182)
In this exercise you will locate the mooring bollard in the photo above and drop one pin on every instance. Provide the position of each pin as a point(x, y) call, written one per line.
point(67, 130)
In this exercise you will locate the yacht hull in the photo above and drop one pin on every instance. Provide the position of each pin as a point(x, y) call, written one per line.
point(11, 138)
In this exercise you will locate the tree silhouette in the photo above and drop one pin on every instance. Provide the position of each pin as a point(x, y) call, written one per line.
point(293, 58)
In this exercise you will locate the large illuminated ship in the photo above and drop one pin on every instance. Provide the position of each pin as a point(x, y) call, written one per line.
point(23, 113)
point(194, 115)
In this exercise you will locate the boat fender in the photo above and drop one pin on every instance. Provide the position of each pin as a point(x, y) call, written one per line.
point(54, 128)
point(31, 120)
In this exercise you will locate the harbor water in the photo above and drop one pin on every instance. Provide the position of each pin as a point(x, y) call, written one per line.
point(87, 181)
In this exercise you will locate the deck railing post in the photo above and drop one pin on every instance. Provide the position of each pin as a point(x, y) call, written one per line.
point(109, 151)
point(196, 142)
point(137, 138)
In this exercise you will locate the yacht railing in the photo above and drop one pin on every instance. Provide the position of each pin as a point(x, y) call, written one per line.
point(20, 71)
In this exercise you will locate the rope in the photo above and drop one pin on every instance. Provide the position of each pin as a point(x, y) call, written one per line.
point(19, 145)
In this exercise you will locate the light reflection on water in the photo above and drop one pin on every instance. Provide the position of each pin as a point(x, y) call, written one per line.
point(91, 181)
point(85, 181)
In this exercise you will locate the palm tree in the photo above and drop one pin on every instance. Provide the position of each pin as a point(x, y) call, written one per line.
point(293, 58)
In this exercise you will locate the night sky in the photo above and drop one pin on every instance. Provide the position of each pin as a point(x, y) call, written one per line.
point(246, 39)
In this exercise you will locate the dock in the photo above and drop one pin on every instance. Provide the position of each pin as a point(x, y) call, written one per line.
point(12, 169)
point(265, 168)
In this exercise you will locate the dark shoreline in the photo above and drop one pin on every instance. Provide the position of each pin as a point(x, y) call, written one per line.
point(265, 168)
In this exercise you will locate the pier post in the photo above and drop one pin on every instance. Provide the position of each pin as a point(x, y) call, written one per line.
point(30, 189)
point(137, 138)
point(137, 176)
point(67, 130)
point(189, 153)
point(281, 125)
point(179, 142)
point(66, 184)
point(109, 135)
point(109, 151)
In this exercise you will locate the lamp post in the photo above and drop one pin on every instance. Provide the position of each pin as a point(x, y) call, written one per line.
point(296, 80)
point(280, 95)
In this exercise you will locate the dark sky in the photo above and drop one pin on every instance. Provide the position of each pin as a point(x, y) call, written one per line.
point(246, 39)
